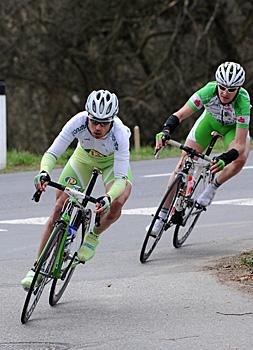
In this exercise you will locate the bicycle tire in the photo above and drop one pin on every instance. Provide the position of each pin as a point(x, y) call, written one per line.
point(147, 249)
point(59, 286)
point(43, 269)
point(191, 215)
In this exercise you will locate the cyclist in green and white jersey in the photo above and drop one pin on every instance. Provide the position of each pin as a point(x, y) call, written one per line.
point(226, 110)
point(103, 143)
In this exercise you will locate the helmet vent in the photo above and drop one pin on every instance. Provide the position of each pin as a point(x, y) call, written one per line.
point(102, 105)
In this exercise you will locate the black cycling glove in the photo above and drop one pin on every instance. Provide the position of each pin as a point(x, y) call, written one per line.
point(228, 156)
point(171, 123)
point(43, 175)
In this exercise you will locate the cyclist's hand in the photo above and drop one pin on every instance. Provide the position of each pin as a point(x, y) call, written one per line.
point(224, 159)
point(103, 205)
point(160, 139)
point(41, 180)
point(217, 165)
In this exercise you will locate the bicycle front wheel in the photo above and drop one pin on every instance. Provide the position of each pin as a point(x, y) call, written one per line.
point(190, 216)
point(151, 239)
point(42, 273)
point(69, 261)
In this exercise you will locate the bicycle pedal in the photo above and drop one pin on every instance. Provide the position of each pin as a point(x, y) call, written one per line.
point(80, 262)
point(153, 235)
point(200, 207)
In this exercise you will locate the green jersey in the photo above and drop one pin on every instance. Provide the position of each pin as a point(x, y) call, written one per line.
point(237, 112)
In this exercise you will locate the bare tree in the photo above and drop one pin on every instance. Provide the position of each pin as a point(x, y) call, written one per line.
point(153, 53)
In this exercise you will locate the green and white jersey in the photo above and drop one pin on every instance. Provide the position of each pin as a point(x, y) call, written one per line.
point(237, 112)
point(114, 147)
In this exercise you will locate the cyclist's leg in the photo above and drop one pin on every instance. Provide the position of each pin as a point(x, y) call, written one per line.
point(229, 133)
point(91, 240)
point(201, 132)
point(233, 168)
point(197, 140)
point(60, 199)
point(71, 175)
point(87, 251)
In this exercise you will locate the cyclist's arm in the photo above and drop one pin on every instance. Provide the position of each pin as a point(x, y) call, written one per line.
point(49, 159)
point(118, 187)
point(61, 143)
point(172, 122)
point(48, 162)
point(57, 148)
point(121, 164)
point(184, 112)
point(240, 139)
point(238, 147)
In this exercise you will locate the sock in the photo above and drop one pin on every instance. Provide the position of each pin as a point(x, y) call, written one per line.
point(216, 184)
point(94, 233)
point(163, 213)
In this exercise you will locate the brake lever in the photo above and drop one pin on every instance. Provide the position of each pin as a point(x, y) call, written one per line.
point(97, 220)
point(36, 196)
point(157, 152)
point(38, 193)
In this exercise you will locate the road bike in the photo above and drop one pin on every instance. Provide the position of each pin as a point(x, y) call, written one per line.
point(58, 260)
point(182, 193)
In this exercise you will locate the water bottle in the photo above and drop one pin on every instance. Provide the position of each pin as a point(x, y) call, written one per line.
point(179, 205)
point(189, 185)
point(70, 237)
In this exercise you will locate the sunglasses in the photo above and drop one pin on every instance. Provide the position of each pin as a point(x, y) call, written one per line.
point(103, 124)
point(223, 88)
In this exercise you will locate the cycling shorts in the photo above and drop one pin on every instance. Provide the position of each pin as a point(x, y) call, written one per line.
point(205, 124)
point(78, 169)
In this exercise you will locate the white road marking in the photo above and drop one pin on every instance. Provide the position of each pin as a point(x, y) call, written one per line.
point(157, 175)
point(242, 201)
point(135, 211)
point(3, 230)
point(28, 221)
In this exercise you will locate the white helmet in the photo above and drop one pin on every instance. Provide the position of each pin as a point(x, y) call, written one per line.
point(230, 74)
point(102, 105)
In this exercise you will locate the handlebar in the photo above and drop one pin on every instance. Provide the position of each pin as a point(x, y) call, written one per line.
point(190, 151)
point(69, 191)
point(82, 198)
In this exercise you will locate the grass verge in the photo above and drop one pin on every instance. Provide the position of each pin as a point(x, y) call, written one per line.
point(24, 161)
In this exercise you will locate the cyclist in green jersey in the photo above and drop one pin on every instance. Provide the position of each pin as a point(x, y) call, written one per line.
point(226, 110)
point(103, 143)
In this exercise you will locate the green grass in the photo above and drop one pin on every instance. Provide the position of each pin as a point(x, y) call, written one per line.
point(248, 259)
point(23, 161)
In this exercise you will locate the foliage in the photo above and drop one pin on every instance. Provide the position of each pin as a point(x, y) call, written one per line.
point(154, 54)
point(248, 261)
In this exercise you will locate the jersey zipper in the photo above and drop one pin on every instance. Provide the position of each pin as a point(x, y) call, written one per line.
point(222, 115)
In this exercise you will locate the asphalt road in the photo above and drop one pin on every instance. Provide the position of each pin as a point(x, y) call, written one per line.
point(114, 301)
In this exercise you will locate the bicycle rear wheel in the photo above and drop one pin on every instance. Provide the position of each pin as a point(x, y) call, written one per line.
point(190, 215)
point(42, 272)
point(69, 261)
point(151, 240)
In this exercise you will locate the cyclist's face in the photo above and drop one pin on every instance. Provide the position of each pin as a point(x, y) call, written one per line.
point(225, 94)
point(98, 130)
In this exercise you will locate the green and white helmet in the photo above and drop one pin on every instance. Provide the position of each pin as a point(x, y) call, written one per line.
point(230, 74)
point(102, 105)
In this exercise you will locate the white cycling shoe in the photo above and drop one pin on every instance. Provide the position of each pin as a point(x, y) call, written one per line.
point(157, 227)
point(206, 197)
